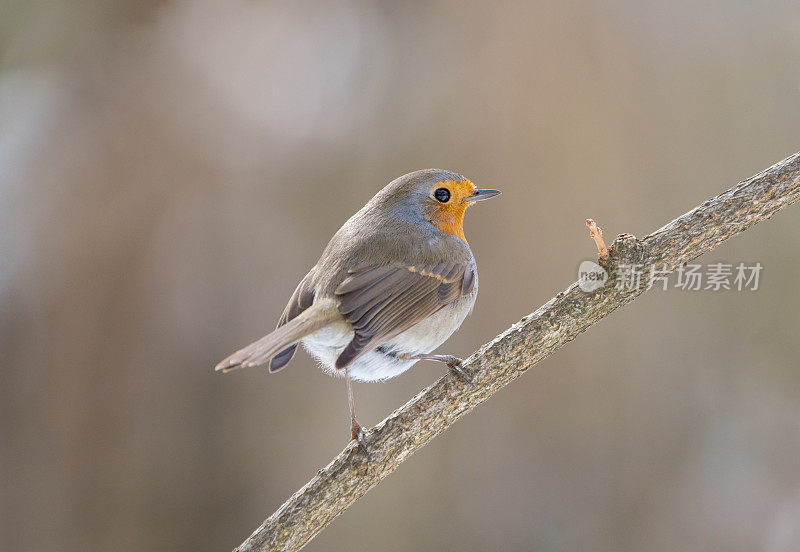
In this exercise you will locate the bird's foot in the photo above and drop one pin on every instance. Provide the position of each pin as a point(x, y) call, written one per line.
point(454, 364)
point(360, 436)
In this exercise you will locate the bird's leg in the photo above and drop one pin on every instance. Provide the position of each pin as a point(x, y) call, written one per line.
point(355, 428)
point(453, 363)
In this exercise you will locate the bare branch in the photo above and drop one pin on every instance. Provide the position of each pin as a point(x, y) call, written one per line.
point(510, 354)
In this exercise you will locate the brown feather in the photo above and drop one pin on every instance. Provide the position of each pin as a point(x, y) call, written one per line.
point(381, 302)
point(301, 299)
point(307, 322)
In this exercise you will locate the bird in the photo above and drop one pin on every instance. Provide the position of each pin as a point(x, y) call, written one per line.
point(393, 284)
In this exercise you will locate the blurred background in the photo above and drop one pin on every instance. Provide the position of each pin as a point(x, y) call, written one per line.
point(170, 170)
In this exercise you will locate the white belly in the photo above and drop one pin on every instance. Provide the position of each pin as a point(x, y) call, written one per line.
point(425, 336)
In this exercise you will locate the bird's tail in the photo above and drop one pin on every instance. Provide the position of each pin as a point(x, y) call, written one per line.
point(307, 322)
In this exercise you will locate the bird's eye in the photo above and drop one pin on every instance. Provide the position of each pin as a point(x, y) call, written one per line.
point(442, 194)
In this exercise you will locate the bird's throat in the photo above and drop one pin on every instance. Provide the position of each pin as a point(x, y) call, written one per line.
point(450, 219)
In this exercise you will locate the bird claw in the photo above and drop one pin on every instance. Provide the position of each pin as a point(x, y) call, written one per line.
point(454, 364)
point(360, 436)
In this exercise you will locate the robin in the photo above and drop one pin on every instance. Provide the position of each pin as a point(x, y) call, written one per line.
point(391, 286)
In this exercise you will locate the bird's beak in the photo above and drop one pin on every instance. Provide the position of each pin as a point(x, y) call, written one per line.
point(480, 194)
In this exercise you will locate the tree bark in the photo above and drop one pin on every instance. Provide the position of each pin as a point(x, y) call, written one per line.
point(349, 476)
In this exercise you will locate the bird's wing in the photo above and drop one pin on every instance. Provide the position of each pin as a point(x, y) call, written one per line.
point(384, 301)
point(301, 299)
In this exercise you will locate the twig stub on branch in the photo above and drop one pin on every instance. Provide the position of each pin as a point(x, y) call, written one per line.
point(596, 233)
